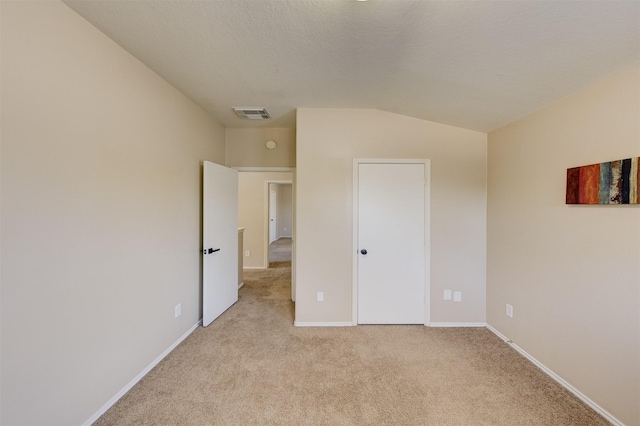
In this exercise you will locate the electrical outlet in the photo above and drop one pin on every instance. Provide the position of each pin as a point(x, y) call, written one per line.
point(447, 295)
point(457, 296)
point(178, 310)
point(247, 253)
point(320, 296)
point(509, 311)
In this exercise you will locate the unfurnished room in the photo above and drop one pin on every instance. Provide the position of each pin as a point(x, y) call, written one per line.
point(319, 212)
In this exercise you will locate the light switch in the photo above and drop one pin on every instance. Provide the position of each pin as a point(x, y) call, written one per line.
point(457, 296)
point(447, 295)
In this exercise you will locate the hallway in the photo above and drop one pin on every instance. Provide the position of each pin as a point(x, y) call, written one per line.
point(280, 250)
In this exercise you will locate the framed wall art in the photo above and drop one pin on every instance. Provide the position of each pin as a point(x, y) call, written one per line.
point(615, 182)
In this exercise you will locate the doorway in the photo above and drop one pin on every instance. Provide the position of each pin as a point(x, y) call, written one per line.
point(391, 223)
point(254, 191)
point(280, 222)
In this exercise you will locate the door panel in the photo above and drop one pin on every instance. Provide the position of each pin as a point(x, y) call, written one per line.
point(391, 228)
point(273, 216)
point(220, 241)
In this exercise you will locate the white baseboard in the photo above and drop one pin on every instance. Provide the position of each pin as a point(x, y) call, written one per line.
point(604, 413)
point(139, 377)
point(254, 267)
point(350, 324)
point(240, 285)
point(457, 324)
point(322, 324)
point(265, 169)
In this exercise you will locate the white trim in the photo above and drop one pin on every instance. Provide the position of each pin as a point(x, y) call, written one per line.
point(240, 285)
point(264, 169)
point(497, 333)
point(139, 377)
point(322, 324)
point(253, 267)
point(604, 413)
point(427, 230)
point(458, 324)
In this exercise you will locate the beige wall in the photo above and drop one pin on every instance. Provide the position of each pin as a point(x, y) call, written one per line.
point(572, 273)
point(100, 177)
point(252, 212)
point(327, 142)
point(246, 147)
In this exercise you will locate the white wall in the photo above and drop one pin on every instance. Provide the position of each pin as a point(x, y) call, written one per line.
point(572, 273)
point(100, 175)
point(252, 213)
point(327, 142)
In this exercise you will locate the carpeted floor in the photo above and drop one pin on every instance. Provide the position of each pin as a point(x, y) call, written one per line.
point(280, 250)
point(252, 367)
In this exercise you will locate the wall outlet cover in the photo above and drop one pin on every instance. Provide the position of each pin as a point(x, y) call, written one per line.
point(509, 311)
point(320, 296)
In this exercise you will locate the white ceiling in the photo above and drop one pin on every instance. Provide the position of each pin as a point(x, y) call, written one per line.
point(473, 64)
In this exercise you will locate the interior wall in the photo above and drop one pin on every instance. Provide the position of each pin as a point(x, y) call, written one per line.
point(252, 213)
point(284, 210)
point(571, 272)
point(327, 142)
point(101, 200)
point(246, 147)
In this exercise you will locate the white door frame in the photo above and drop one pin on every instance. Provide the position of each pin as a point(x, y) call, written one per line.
point(293, 225)
point(427, 230)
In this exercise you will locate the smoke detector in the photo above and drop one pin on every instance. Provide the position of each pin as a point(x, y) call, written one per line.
point(252, 113)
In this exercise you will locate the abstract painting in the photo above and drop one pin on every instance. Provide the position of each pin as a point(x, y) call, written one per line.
point(615, 182)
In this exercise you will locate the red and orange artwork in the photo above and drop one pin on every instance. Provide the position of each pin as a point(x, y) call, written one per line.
point(614, 182)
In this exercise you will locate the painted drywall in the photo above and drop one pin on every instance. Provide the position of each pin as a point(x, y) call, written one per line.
point(101, 199)
point(571, 273)
point(327, 142)
point(284, 210)
point(252, 213)
point(246, 147)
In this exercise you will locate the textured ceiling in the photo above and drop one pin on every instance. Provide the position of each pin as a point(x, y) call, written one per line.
point(473, 64)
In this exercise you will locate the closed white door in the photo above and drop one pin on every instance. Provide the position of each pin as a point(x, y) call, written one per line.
point(273, 216)
point(391, 244)
point(220, 241)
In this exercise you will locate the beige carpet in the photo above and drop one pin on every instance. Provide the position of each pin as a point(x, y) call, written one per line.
point(280, 250)
point(252, 367)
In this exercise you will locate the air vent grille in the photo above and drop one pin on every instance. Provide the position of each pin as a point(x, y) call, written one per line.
point(252, 113)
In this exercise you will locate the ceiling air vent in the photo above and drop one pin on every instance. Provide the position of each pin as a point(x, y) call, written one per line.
point(252, 113)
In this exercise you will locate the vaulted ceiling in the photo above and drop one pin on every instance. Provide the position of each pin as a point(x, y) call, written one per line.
point(472, 64)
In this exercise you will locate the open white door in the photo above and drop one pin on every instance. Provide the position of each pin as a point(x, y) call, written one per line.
point(220, 240)
point(273, 215)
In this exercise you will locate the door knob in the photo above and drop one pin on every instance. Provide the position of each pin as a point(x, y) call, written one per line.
point(363, 251)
